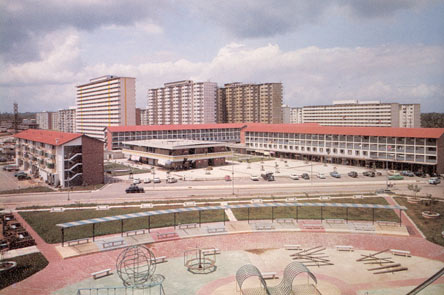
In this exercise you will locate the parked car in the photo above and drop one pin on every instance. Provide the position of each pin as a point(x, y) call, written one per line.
point(322, 176)
point(368, 173)
point(353, 174)
point(335, 174)
point(269, 176)
point(254, 177)
point(384, 191)
point(392, 172)
point(227, 178)
point(171, 180)
point(16, 174)
point(156, 180)
point(10, 168)
point(419, 173)
point(305, 176)
point(396, 177)
point(23, 176)
point(2, 159)
point(294, 176)
point(136, 181)
point(407, 173)
point(434, 180)
point(134, 189)
point(146, 180)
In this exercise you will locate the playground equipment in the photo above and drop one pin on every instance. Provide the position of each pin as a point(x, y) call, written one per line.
point(136, 267)
point(200, 260)
point(312, 256)
point(285, 287)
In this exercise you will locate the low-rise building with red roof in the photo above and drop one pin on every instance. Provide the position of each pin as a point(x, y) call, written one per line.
point(60, 158)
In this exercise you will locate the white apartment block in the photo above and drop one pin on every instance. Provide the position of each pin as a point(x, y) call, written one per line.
point(291, 115)
point(363, 114)
point(105, 101)
point(54, 121)
point(67, 120)
point(143, 116)
point(45, 120)
point(182, 102)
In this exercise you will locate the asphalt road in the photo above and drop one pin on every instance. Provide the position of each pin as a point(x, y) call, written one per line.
point(115, 193)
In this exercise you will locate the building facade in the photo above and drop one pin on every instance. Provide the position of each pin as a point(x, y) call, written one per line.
point(143, 117)
point(291, 115)
point(177, 154)
point(105, 101)
point(261, 103)
point(115, 136)
point(45, 120)
point(389, 148)
point(67, 120)
point(182, 102)
point(356, 113)
point(60, 158)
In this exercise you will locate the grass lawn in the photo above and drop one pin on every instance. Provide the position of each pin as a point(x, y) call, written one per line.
point(27, 265)
point(44, 223)
point(116, 166)
point(90, 187)
point(431, 228)
point(35, 189)
point(327, 212)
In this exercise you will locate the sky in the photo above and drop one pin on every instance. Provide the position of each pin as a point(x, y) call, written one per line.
point(386, 50)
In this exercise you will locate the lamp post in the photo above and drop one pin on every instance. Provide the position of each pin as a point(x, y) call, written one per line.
point(232, 171)
point(154, 174)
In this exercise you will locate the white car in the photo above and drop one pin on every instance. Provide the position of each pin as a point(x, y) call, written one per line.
point(156, 180)
point(321, 176)
point(294, 176)
point(254, 177)
point(136, 181)
point(146, 180)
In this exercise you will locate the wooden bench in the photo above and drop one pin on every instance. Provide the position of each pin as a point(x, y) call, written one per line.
point(335, 221)
point(213, 251)
point(57, 209)
point(159, 259)
point(216, 230)
point(344, 248)
point(146, 205)
point(102, 207)
point(312, 226)
point(187, 225)
point(387, 223)
point(136, 232)
point(325, 198)
point(264, 226)
point(363, 227)
point(256, 201)
point(189, 204)
point(78, 242)
point(269, 275)
point(292, 247)
point(166, 235)
point(284, 220)
point(288, 200)
point(114, 243)
point(400, 252)
point(101, 273)
point(358, 197)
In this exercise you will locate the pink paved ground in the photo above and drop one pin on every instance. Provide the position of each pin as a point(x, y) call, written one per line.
point(60, 273)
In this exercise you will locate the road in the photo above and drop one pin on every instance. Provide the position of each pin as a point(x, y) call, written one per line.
point(114, 193)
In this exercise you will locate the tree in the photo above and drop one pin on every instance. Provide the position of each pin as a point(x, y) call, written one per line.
point(414, 188)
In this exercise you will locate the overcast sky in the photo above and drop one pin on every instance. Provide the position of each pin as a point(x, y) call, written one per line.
point(388, 50)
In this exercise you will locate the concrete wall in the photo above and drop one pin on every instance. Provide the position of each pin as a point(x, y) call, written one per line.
point(92, 156)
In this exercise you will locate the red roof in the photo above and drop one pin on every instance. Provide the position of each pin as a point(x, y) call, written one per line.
point(363, 131)
point(47, 136)
point(175, 127)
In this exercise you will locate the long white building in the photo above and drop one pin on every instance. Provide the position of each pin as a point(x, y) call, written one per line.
point(182, 102)
point(105, 101)
point(356, 113)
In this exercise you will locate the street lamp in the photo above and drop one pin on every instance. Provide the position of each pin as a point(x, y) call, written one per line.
point(154, 174)
point(232, 171)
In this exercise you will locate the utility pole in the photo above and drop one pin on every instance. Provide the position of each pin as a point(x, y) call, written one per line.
point(15, 122)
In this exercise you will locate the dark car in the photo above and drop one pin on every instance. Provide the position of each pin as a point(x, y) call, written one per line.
point(368, 173)
point(305, 176)
point(268, 176)
point(407, 173)
point(134, 189)
point(353, 174)
point(23, 176)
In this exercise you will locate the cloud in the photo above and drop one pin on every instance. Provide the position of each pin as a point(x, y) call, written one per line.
point(24, 22)
point(265, 18)
point(310, 75)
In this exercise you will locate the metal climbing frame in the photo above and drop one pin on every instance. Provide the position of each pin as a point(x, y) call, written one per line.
point(285, 287)
point(200, 261)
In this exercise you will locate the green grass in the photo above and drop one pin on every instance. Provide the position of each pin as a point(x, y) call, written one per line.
point(44, 223)
point(27, 265)
point(431, 228)
point(90, 187)
point(327, 212)
point(35, 189)
point(116, 166)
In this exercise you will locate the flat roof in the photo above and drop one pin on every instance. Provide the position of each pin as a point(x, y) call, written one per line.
point(172, 144)
point(175, 127)
point(189, 209)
